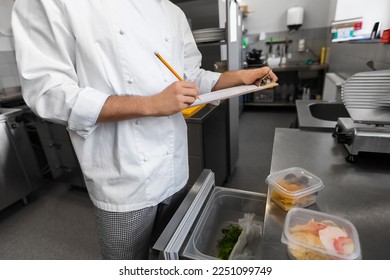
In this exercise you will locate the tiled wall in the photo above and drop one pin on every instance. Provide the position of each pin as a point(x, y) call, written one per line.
point(315, 39)
point(9, 76)
point(345, 59)
point(349, 58)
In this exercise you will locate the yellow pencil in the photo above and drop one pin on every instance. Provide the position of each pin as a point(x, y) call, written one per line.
point(170, 68)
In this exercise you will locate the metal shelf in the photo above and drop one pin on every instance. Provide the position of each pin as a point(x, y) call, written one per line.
point(211, 44)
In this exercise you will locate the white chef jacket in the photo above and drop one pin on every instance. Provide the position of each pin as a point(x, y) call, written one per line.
point(72, 55)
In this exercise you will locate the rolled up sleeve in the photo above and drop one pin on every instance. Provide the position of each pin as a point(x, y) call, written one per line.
point(86, 110)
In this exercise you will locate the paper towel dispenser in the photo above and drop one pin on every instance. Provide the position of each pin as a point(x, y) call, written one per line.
point(294, 18)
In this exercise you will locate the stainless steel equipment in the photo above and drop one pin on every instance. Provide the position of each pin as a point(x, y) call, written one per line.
point(48, 153)
point(15, 183)
point(366, 97)
point(196, 227)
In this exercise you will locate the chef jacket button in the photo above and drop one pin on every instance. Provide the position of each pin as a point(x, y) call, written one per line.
point(146, 159)
point(121, 32)
point(137, 122)
point(168, 152)
point(130, 81)
point(165, 79)
point(166, 38)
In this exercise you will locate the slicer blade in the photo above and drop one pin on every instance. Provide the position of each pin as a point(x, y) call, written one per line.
point(366, 96)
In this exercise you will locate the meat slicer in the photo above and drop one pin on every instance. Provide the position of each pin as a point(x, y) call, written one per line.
point(366, 97)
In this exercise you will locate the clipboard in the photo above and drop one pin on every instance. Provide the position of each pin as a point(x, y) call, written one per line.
point(227, 93)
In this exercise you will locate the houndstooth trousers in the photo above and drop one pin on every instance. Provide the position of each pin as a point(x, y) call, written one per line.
point(129, 235)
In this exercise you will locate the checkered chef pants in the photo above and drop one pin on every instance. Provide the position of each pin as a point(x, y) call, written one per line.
point(129, 235)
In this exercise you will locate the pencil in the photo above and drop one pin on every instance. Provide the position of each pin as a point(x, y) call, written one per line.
point(170, 68)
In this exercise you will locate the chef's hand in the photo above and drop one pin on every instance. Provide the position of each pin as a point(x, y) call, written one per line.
point(254, 76)
point(174, 98)
point(246, 77)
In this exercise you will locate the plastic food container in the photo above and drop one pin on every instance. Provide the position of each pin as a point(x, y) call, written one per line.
point(224, 208)
point(313, 235)
point(294, 187)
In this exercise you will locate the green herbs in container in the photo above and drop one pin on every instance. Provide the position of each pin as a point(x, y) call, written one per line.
point(229, 239)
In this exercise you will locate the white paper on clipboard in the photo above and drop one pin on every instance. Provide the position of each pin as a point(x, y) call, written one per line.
point(229, 93)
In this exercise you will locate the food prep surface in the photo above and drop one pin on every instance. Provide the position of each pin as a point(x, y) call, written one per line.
point(358, 192)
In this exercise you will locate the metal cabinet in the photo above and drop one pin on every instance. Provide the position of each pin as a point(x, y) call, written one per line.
point(14, 181)
point(59, 152)
point(208, 142)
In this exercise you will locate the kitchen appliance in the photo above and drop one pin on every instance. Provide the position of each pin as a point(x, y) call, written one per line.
point(198, 224)
point(18, 170)
point(366, 97)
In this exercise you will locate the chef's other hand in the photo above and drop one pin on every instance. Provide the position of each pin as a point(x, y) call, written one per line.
point(176, 97)
point(251, 76)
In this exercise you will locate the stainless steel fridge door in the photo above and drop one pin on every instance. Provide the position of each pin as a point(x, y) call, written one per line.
point(173, 237)
point(194, 230)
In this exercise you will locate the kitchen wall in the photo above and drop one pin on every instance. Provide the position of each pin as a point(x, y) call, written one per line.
point(9, 76)
point(270, 20)
point(315, 39)
point(374, 11)
point(347, 59)
point(271, 16)
point(6, 43)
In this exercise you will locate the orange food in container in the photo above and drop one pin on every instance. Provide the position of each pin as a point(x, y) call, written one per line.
point(294, 187)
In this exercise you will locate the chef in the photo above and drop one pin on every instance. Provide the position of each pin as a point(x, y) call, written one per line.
point(90, 65)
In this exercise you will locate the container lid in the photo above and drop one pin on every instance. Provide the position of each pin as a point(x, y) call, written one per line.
point(295, 182)
point(322, 233)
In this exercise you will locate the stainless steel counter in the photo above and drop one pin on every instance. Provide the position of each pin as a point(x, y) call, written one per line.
point(324, 119)
point(359, 192)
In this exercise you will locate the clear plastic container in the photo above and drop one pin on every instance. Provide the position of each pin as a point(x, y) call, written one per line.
point(313, 235)
point(294, 187)
point(222, 210)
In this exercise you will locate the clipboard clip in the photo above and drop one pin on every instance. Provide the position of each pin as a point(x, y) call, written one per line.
point(265, 80)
